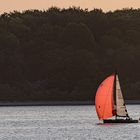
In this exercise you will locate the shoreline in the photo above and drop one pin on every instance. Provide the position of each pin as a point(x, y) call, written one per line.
point(58, 103)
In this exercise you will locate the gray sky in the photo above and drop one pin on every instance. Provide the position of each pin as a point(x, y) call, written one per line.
point(106, 5)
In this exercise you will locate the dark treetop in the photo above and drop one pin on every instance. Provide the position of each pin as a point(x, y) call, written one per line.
point(64, 54)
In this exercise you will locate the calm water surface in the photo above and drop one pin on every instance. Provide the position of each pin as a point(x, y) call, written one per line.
point(63, 123)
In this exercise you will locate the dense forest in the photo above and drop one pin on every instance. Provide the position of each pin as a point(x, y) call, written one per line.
point(64, 54)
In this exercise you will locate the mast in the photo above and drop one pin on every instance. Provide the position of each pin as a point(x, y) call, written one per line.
point(115, 105)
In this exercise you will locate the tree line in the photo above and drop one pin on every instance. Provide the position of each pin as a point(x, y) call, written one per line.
point(64, 54)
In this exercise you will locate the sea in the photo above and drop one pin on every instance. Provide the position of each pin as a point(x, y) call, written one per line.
point(63, 123)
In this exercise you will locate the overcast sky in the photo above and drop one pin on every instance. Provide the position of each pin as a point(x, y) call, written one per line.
point(106, 5)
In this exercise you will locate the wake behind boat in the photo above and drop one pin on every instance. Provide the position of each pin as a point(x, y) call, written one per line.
point(109, 102)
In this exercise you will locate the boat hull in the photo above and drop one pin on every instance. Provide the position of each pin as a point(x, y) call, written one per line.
point(121, 121)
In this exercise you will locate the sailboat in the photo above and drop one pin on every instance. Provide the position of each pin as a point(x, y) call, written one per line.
point(109, 102)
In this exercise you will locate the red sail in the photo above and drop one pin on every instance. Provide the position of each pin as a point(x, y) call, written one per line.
point(104, 101)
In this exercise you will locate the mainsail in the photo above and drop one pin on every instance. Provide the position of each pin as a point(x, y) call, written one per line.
point(104, 101)
point(120, 104)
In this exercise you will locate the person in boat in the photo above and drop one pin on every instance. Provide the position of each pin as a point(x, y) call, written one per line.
point(128, 117)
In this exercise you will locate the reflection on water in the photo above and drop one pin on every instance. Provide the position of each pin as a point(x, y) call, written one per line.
point(63, 123)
